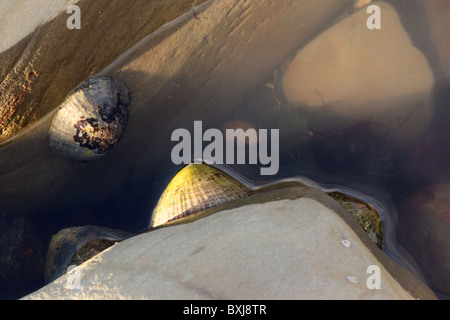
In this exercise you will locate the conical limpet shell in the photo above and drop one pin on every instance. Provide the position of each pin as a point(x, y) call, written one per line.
point(91, 120)
point(72, 246)
point(195, 188)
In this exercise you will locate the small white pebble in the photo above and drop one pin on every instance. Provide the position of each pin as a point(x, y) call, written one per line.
point(346, 243)
point(353, 279)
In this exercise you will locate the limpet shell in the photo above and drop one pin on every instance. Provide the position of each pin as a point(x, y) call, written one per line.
point(195, 188)
point(73, 246)
point(92, 119)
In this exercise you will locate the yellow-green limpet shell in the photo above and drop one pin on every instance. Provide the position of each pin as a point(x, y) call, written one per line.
point(195, 188)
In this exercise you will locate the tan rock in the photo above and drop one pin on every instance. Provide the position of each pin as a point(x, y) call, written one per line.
point(365, 75)
point(286, 249)
point(30, 15)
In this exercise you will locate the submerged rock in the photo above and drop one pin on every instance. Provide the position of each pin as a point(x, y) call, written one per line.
point(352, 74)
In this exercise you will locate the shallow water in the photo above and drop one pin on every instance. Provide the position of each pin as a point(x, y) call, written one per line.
point(406, 182)
point(398, 178)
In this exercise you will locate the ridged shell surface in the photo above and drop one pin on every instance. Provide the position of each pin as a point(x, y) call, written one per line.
point(195, 188)
point(91, 120)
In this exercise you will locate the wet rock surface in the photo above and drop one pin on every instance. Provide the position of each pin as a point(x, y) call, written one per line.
point(362, 75)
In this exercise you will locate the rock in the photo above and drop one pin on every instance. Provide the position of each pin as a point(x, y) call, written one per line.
point(30, 15)
point(356, 75)
point(287, 248)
